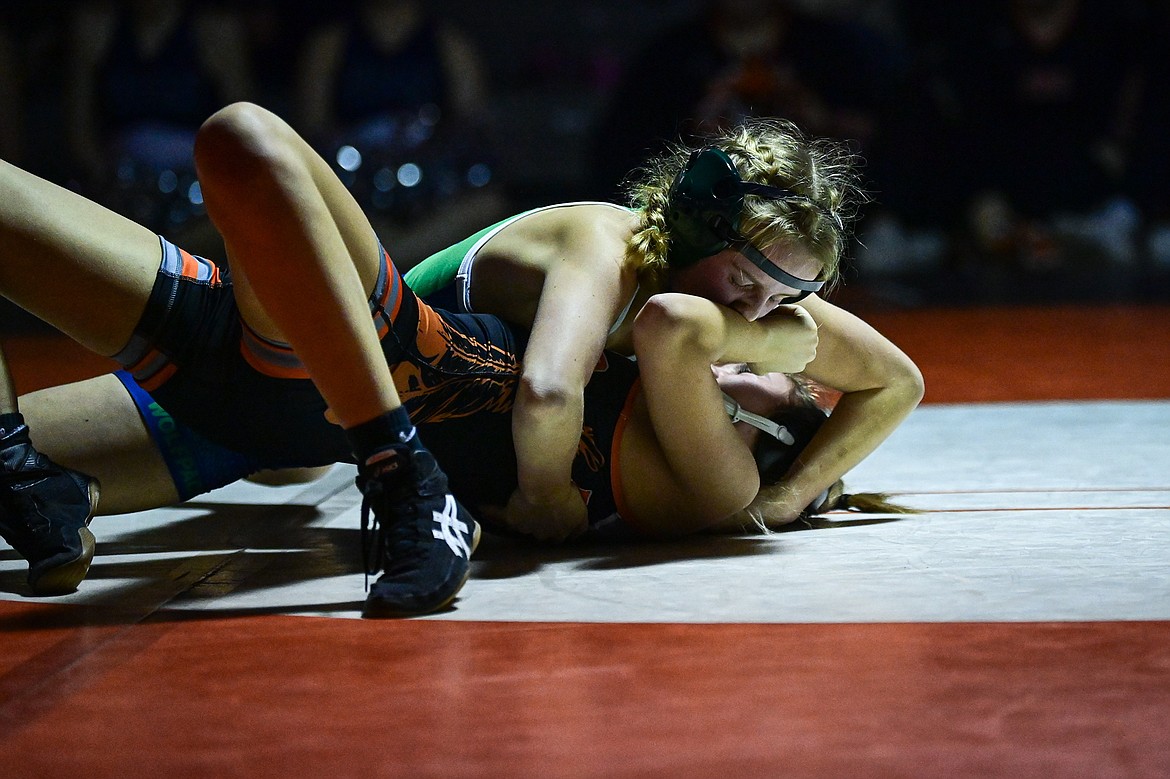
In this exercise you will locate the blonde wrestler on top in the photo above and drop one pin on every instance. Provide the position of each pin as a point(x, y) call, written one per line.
point(754, 219)
point(352, 337)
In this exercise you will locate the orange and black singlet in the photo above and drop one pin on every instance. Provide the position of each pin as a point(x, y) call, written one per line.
point(456, 374)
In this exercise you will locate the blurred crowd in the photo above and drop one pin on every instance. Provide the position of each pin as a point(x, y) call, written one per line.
point(1013, 148)
point(106, 97)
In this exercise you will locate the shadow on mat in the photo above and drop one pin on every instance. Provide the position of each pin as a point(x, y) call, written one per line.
point(248, 548)
point(232, 548)
point(501, 557)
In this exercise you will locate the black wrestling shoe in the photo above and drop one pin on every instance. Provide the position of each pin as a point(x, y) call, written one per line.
point(419, 534)
point(44, 514)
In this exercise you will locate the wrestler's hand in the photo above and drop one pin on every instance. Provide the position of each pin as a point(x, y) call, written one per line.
point(782, 506)
point(792, 338)
point(562, 517)
point(830, 499)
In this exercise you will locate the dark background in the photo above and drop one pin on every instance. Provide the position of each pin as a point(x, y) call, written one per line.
point(1007, 163)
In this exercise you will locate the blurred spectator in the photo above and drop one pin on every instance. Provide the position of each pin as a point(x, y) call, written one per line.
point(397, 98)
point(744, 58)
point(881, 16)
point(1013, 137)
point(1047, 91)
point(144, 74)
point(276, 32)
point(30, 80)
point(913, 153)
point(915, 158)
point(1149, 170)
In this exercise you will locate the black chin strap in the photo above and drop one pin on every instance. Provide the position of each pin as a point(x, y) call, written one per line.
point(753, 255)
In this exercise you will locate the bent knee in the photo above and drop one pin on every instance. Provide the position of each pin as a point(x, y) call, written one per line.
point(240, 142)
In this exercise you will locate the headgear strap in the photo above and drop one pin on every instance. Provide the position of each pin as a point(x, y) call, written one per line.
point(737, 414)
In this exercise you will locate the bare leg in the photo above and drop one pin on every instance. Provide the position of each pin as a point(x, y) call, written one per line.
point(300, 243)
point(89, 272)
point(93, 426)
point(73, 263)
point(305, 260)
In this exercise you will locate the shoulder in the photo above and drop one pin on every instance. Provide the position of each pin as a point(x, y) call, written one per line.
point(585, 217)
point(586, 234)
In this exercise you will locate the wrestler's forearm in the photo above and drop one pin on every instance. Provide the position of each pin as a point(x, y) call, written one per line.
point(567, 338)
point(546, 504)
point(860, 422)
point(783, 342)
point(546, 431)
point(880, 386)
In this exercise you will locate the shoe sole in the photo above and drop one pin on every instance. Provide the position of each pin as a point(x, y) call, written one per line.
point(64, 578)
point(375, 611)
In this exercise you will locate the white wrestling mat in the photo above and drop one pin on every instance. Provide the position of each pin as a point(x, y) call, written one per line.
point(1032, 512)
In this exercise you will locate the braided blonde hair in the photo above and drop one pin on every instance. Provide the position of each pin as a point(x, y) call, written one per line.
point(766, 151)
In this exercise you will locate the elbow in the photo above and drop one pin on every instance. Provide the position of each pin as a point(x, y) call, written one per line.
point(899, 380)
point(912, 384)
point(548, 394)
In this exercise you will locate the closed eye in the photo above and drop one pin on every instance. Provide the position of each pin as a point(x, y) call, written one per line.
point(742, 280)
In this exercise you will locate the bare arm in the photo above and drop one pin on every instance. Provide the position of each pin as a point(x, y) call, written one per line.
point(880, 387)
point(710, 472)
point(317, 70)
point(466, 80)
point(223, 50)
point(583, 289)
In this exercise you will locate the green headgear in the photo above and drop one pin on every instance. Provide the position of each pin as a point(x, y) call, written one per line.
point(704, 209)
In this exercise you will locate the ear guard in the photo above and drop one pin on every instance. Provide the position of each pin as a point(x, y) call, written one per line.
point(705, 196)
point(704, 211)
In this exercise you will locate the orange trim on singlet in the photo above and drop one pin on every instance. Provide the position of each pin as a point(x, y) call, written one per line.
point(159, 378)
point(151, 355)
point(191, 267)
point(615, 460)
point(395, 288)
point(154, 377)
point(396, 285)
point(430, 338)
point(269, 369)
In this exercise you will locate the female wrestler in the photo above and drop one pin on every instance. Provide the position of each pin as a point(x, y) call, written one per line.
point(753, 220)
point(667, 491)
point(191, 336)
point(244, 389)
